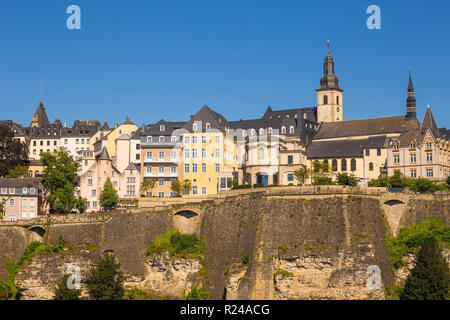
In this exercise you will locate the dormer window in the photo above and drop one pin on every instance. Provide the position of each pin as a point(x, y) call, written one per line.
point(149, 139)
point(161, 139)
point(291, 129)
point(270, 130)
point(162, 128)
point(208, 126)
point(283, 130)
point(261, 131)
point(194, 127)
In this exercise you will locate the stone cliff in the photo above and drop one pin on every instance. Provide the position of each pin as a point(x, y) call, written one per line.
point(258, 246)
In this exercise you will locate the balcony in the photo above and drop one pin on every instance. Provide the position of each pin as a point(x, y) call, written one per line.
point(160, 175)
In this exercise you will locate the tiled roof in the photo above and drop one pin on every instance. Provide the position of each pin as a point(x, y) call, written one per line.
point(343, 148)
point(20, 183)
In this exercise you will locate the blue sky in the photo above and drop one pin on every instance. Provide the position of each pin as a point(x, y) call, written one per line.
point(166, 59)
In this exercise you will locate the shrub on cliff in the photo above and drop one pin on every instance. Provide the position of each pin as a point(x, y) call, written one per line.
point(108, 197)
point(105, 280)
point(177, 244)
point(413, 237)
point(62, 291)
point(430, 277)
point(197, 293)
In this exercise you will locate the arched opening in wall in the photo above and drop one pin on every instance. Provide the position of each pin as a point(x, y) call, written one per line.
point(187, 214)
point(392, 203)
point(38, 230)
point(186, 221)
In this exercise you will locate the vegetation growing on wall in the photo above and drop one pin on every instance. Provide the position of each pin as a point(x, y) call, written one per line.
point(411, 238)
point(62, 292)
point(105, 280)
point(197, 293)
point(398, 180)
point(177, 244)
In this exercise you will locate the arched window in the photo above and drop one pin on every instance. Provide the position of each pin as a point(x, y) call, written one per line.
point(261, 152)
point(325, 99)
point(353, 165)
point(337, 100)
point(208, 126)
point(283, 130)
point(270, 130)
point(291, 129)
point(162, 127)
point(194, 127)
point(30, 174)
point(261, 131)
point(344, 165)
point(371, 166)
point(253, 132)
point(334, 165)
point(149, 139)
point(161, 139)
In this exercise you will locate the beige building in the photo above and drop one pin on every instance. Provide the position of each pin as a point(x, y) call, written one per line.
point(78, 137)
point(421, 153)
point(22, 198)
point(93, 179)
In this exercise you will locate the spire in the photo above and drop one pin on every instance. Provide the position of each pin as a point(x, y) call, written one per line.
point(329, 79)
point(428, 120)
point(411, 101)
point(104, 155)
point(40, 118)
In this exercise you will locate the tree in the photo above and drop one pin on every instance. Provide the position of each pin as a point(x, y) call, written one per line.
point(345, 180)
point(321, 174)
point(187, 185)
point(62, 292)
point(80, 204)
point(105, 280)
point(147, 184)
point(430, 277)
point(448, 180)
point(18, 172)
point(108, 197)
point(3, 207)
point(13, 152)
point(301, 175)
point(59, 179)
point(176, 187)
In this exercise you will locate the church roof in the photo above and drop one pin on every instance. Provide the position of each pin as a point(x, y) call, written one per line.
point(363, 127)
point(343, 148)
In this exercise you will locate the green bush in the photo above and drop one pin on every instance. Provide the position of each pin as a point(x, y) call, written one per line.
point(244, 186)
point(105, 280)
point(135, 294)
point(62, 292)
point(258, 185)
point(246, 259)
point(177, 244)
point(283, 273)
point(413, 237)
point(345, 180)
point(197, 293)
point(323, 181)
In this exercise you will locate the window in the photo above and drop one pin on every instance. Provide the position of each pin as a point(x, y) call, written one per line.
point(203, 139)
point(194, 153)
point(217, 153)
point(413, 173)
point(208, 126)
point(161, 169)
point(115, 184)
point(337, 100)
point(161, 155)
point(217, 139)
point(291, 129)
point(149, 155)
point(413, 157)
point(12, 190)
point(429, 157)
point(217, 167)
point(334, 165)
point(161, 139)
point(395, 146)
point(371, 166)
point(32, 191)
point(353, 165)
point(367, 152)
point(194, 140)
point(429, 173)
point(66, 141)
point(24, 190)
point(186, 139)
point(173, 155)
point(149, 139)
point(344, 165)
point(32, 203)
point(194, 127)
point(77, 141)
point(290, 177)
point(325, 99)
point(194, 190)
point(186, 168)
point(378, 152)
point(173, 169)
point(89, 182)
point(11, 202)
point(24, 202)
point(161, 182)
point(204, 190)
point(149, 169)
point(290, 159)
point(186, 153)
point(283, 130)
point(173, 139)
point(203, 167)
point(162, 127)
point(94, 204)
point(203, 153)
point(94, 193)
point(396, 159)
point(194, 168)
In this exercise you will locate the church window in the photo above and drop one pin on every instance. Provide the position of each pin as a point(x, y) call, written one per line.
point(371, 166)
point(337, 101)
point(353, 165)
point(344, 165)
point(334, 165)
point(325, 99)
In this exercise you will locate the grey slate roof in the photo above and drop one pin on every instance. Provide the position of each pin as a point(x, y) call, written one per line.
point(41, 115)
point(343, 148)
point(104, 155)
point(361, 127)
point(20, 183)
point(205, 115)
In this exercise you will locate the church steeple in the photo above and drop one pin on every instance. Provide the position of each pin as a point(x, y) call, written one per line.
point(411, 101)
point(329, 95)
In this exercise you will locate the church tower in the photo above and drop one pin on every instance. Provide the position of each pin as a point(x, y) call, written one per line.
point(411, 101)
point(329, 95)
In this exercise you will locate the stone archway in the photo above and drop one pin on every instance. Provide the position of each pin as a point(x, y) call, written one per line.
point(186, 221)
point(37, 233)
point(394, 210)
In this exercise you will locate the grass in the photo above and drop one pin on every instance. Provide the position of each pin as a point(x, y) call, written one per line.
point(178, 245)
point(139, 294)
point(283, 273)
